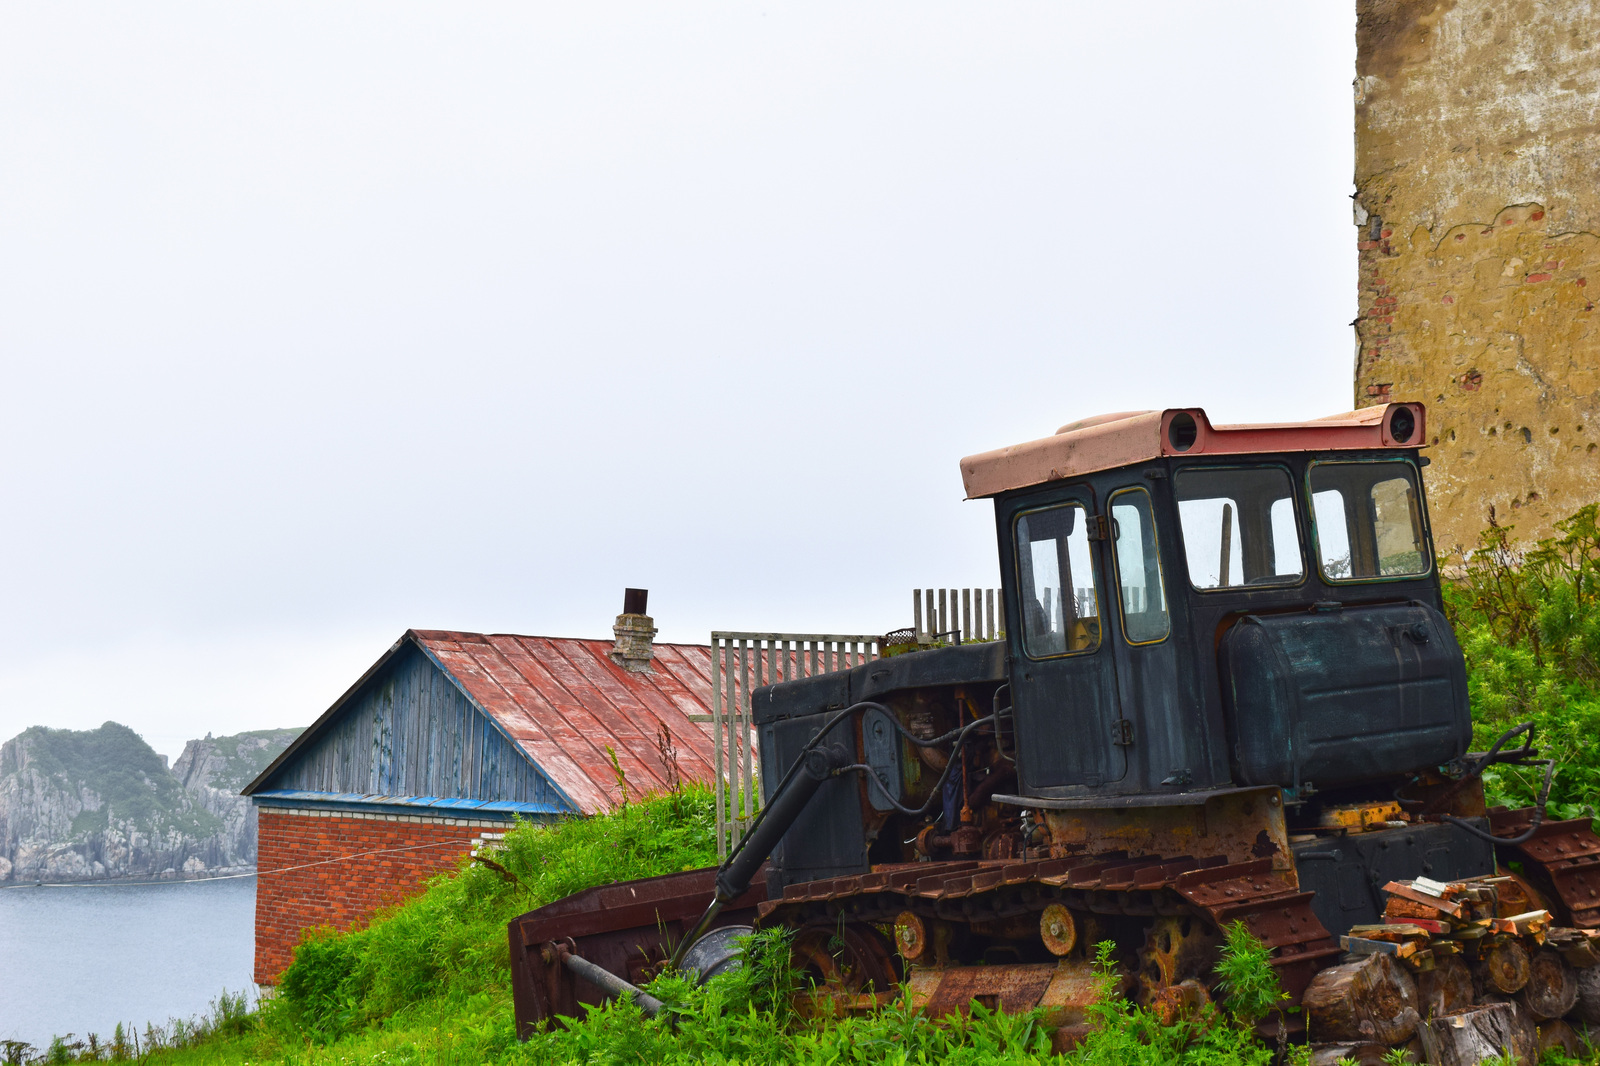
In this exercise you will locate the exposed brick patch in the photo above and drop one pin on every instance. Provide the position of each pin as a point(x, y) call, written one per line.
point(292, 895)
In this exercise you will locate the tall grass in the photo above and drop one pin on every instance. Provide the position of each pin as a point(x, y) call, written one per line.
point(745, 1017)
point(450, 942)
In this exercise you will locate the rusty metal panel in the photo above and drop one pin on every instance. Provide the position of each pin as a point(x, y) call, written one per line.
point(570, 691)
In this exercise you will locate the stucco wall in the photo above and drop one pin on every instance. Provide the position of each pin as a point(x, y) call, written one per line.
point(1478, 215)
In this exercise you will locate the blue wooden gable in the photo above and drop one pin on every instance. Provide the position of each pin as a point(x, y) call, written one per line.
point(408, 735)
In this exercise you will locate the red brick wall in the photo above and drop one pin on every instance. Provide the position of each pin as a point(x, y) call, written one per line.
point(298, 888)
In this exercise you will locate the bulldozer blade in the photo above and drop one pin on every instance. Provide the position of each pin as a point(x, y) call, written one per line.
point(627, 929)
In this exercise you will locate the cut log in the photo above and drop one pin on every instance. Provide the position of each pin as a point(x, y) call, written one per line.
point(1587, 1009)
point(1471, 1036)
point(1552, 987)
point(1445, 989)
point(1502, 966)
point(1371, 1000)
point(1557, 1035)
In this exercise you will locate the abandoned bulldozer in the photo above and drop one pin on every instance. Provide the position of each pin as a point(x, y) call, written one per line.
point(1226, 691)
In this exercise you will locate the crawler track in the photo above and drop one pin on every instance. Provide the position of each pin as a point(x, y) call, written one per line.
point(983, 893)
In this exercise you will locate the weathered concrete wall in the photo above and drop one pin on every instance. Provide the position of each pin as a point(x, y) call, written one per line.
point(1478, 214)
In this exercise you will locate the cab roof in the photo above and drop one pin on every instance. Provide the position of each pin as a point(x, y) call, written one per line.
point(1107, 442)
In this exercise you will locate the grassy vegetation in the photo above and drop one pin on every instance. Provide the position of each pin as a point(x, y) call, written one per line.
point(127, 774)
point(1529, 623)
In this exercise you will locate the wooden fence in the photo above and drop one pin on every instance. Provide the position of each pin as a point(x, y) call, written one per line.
point(956, 615)
point(740, 664)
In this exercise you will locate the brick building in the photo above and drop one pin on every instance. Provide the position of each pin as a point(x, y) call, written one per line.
point(443, 743)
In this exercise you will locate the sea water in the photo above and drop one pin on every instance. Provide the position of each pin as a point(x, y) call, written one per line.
point(81, 958)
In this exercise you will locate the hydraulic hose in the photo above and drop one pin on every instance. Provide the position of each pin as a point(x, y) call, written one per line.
point(938, 789)
point(814, 765)
point(1534, 821)
point(1523, 756)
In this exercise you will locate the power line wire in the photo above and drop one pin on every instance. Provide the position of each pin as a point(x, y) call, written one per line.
point(234, 877)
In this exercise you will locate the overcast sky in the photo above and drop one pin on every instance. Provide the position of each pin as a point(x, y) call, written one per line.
point(321, 321)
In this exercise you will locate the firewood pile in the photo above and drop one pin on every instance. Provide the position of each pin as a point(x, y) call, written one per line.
point(1456, 973)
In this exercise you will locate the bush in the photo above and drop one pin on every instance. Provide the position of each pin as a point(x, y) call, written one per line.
point(450, 941)
point(1529, 624)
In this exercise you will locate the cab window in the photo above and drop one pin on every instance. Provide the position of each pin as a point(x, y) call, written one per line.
point(1239, 527)
point(1144, 600)
point(1056, 591)
point(1368, 521)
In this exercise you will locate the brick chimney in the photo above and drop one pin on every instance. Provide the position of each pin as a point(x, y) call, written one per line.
point(634, 633)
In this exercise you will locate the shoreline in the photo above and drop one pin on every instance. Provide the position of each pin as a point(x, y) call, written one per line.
point(221, 873)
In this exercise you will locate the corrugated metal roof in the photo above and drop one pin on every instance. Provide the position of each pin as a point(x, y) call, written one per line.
point(563, 702)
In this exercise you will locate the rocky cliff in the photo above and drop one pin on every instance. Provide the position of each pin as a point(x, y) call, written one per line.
point(101, 803)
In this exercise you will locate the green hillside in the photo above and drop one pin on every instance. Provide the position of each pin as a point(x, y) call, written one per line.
point(245, 761)
point(115, 763)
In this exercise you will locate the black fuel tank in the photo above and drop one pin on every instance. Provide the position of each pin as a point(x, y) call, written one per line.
point(1343, 695)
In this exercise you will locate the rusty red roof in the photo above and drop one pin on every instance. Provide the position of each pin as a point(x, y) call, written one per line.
point(567, 707)
point(565, 702)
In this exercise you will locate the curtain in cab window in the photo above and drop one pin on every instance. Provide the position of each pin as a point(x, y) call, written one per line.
point(1369, 521)
point(1056, 590)
point(1239, 527)
point(1144, 599)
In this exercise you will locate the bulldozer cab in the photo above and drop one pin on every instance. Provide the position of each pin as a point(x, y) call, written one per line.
point(1193, 607)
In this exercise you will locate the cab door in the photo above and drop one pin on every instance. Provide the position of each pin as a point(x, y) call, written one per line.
point(1153, 732)
point(1064, 687)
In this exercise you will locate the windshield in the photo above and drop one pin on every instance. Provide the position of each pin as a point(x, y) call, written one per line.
point(1239, 527)
point(1369, 520)
point(1060, 611)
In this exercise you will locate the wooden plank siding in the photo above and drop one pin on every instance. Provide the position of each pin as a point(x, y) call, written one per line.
point(413, 732)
